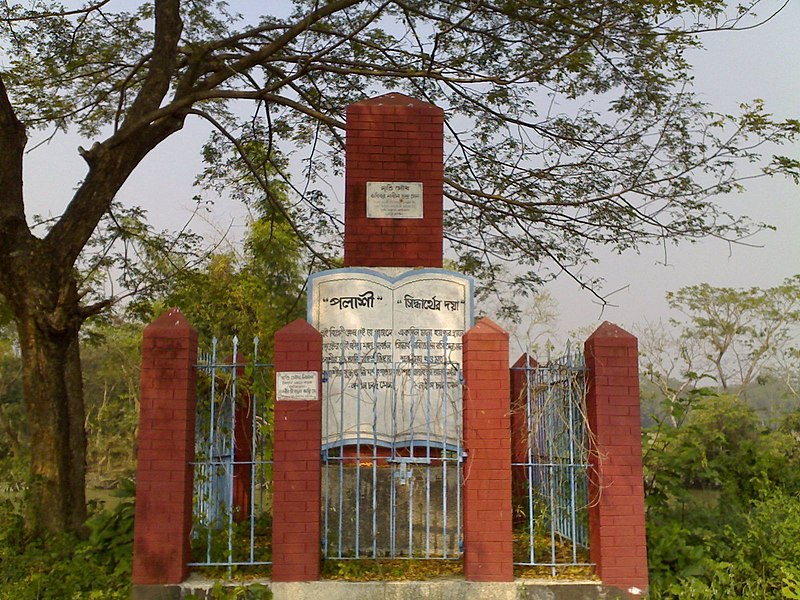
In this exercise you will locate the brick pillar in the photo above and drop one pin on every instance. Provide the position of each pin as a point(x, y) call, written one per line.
point(519, 431)
point(616, 489)
point(163, 521)
point(297, 470)
point(487, 441)
point(242, 453)
point(393, 138)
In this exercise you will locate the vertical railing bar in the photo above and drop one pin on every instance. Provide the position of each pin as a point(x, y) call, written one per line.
point(459, 463)
point(254, 411)
point(375, 448)
point(552, 524)
point(411, 447)
point(357, 539)
point(393, 473)
point(341, 449)
point(572, 441)
point(529, 408)
point(326, 459)
point(550, 459)
point(411, 514)
point(428, 449)
point(444, 447)
point(232, 449)
point(210, 454)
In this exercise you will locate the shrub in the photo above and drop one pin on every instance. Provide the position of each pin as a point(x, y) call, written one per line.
point(64, 567)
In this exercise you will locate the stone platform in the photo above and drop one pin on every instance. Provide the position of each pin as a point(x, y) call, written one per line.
point(440, 589)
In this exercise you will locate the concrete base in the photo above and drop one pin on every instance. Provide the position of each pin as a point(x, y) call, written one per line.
point(442, 589)
point(158, 592)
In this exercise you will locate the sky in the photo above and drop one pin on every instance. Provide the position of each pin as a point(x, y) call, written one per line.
point(733, 68)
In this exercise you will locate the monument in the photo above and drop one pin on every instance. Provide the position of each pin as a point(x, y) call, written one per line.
point(391, 323)
point(391, 346)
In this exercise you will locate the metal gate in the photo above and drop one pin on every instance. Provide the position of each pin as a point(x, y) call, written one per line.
point(231, 517)
point(392, 454)
point(551, 482)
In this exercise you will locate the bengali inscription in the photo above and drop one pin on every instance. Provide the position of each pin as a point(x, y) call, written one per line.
point(297, 385)
point(366, 300)
point(391, 352)
point(394, 200)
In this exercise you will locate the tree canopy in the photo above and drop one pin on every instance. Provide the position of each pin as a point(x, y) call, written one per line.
point(740, 332)
point(570, 125)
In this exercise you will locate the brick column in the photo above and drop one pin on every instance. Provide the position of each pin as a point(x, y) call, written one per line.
point(393, 138)
point(487, 441)
point(616, 489)
point(163, 521)
point(297, 470)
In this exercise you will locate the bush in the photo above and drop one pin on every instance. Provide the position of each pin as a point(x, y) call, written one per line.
point(723, 506)
point(64, 567)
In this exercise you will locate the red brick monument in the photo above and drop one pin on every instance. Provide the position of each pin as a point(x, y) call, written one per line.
point(408, 402)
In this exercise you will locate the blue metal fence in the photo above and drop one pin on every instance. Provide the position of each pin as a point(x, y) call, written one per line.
point(392, 453)
point(552, 514)
point(233, 458)
point(391, 469)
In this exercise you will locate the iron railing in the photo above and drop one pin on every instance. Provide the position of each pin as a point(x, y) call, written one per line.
point(551, 483)
point(233, 459)
point(392, 453)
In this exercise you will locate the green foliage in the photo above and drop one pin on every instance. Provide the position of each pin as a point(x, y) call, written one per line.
point(111, 532)
point(13, 434)
point(111, 359)
point(225, 591)
point(213, 543)
point(631, 156)
point(723, 504)
point(64, 567)
point(740, 331)
point(259, 289)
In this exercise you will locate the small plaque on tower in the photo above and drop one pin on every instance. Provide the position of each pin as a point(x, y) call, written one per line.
point(394, 200)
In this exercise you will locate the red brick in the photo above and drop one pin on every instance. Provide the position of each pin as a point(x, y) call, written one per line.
point(616, 517)
point(297, 469)
point(401, 144)
point(487, 440)
point(166, 433)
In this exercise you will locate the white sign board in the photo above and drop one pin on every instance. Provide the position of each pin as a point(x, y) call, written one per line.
point(394, 200)
point(297, 385)
point(391, 349)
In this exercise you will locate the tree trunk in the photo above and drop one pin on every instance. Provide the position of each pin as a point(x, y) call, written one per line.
point(54, 400)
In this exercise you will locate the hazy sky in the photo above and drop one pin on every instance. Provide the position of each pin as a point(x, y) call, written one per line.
point(734, 68)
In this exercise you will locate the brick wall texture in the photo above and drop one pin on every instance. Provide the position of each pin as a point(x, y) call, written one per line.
point(165, 448)
point(487, 441)
point(297, 490)
point(616, 489)
point(393, 138)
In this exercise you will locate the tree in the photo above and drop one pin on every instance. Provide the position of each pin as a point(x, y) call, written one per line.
point(12, 446)
point(571, 126)
point(740, 331)
point(722, 503)
point(250, 293)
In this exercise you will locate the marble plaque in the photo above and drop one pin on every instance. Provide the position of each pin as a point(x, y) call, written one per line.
point(394, 200)
point(391, 353)
point(297, 385)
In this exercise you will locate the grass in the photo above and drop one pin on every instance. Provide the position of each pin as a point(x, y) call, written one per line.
point(391, 570)
point(561, 554)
